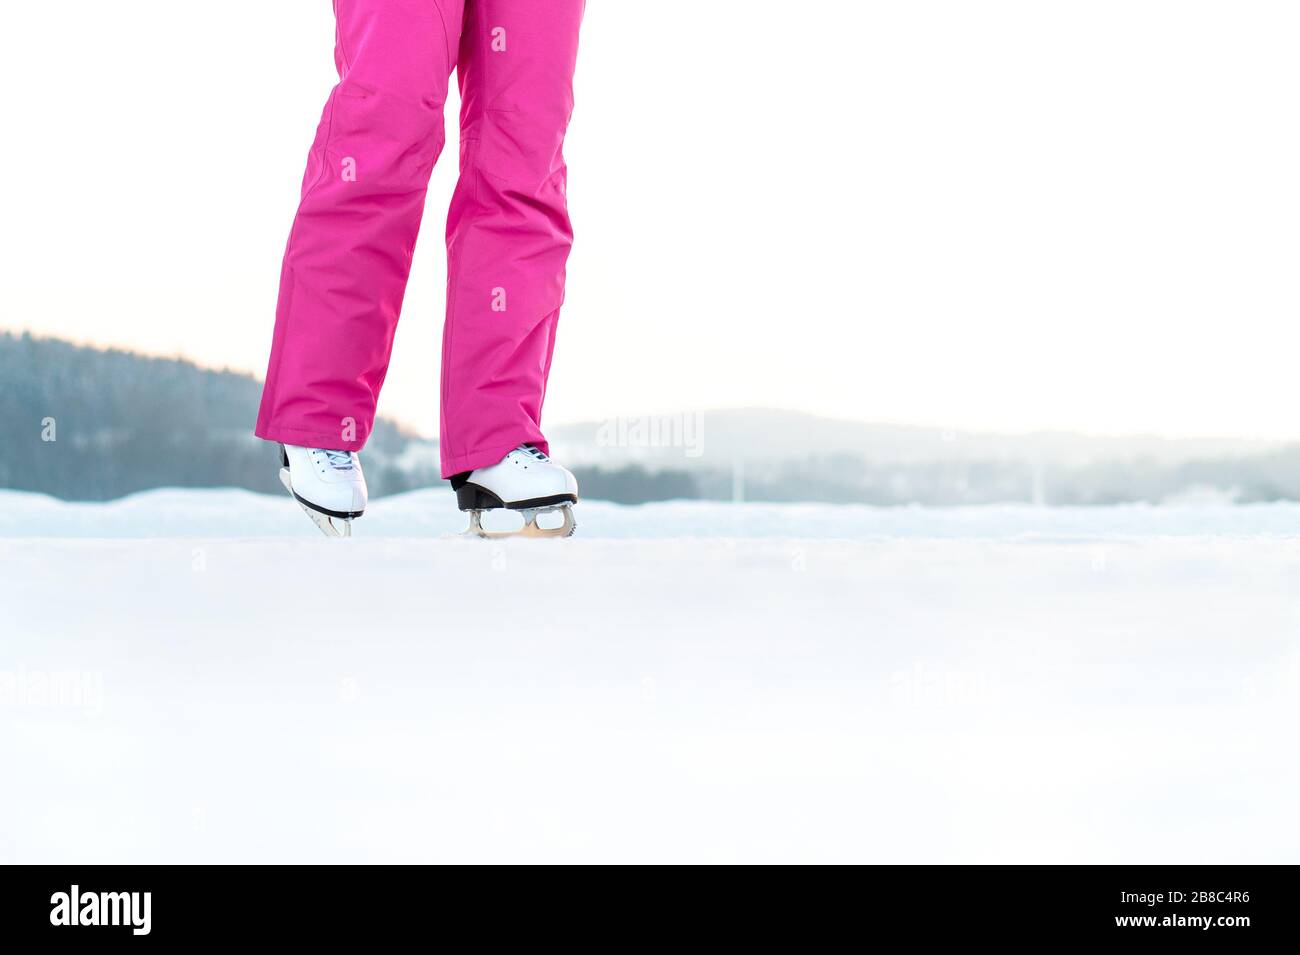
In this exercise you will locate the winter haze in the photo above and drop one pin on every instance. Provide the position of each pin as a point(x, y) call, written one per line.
point(87, 424)
point(1004, 216)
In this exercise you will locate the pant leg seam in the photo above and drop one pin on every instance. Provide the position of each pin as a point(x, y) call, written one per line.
point(446, 37)
point(274, 377)
point(338, 38)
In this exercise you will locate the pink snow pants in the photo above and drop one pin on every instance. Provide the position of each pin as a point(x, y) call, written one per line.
point(508, 231)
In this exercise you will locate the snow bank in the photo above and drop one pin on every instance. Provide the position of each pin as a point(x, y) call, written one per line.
point(432, 513)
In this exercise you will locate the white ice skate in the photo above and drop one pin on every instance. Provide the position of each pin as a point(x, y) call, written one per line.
point(526, 481)
point(327, 484)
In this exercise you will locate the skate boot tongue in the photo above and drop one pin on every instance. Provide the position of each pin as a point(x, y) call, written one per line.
point(338, 460)
point(532, 452)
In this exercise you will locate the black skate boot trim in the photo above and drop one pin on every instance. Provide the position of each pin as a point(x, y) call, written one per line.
point(543, 501)
point(458, 481)
point(345, 515)
point(474, 497)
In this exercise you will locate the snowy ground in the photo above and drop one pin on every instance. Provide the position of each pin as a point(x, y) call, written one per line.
point(193, 676)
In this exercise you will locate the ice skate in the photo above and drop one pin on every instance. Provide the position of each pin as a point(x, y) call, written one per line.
point(328, 485)
point(526, 481)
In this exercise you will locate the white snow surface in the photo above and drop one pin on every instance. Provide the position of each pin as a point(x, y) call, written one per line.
point(199, 676)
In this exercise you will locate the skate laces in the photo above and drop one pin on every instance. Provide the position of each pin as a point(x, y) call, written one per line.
point(338, 460)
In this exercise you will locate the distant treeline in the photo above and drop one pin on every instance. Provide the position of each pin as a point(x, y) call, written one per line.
point(121, 423)
point(1269, 476)
point(90, 424)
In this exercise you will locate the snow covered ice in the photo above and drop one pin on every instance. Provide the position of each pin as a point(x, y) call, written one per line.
point(198, 676)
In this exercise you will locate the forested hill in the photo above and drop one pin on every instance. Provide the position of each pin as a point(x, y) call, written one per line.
point(123, 422)
point(89, 424)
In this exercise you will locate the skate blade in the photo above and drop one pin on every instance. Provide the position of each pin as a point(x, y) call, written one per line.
point(327, 525)
point(531, 528)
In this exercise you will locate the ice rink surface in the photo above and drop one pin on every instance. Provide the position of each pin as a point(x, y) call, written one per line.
point(197, 676)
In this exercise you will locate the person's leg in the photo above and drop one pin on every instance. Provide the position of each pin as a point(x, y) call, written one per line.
point(508, 232)
point(349, 252)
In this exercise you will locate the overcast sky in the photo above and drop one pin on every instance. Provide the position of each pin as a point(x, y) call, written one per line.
point(995, 215)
